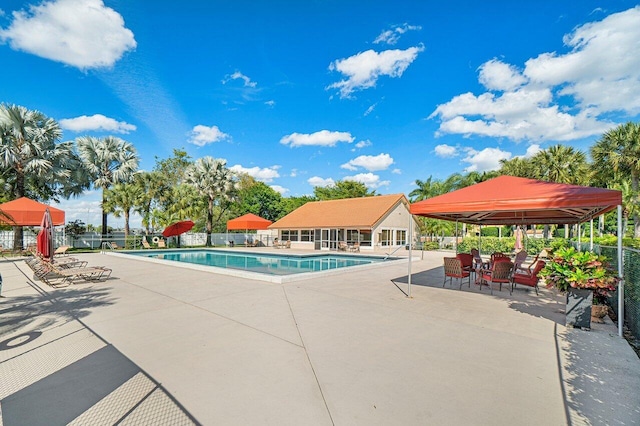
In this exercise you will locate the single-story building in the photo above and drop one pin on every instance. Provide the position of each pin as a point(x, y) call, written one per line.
point(378, 221)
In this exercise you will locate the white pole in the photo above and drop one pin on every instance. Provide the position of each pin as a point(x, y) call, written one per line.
point(591, 237)
point(579, 232)
point(410, 253)
point(620, 275)
point(456, 241)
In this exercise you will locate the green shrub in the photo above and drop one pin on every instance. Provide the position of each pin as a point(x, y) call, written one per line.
point(430, 245)
point(504, 244)
point(133, 242)
point(490, 231)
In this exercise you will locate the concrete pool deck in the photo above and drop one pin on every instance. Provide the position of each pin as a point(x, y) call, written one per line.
point(156, 344)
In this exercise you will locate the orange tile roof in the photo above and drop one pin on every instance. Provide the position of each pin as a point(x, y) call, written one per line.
point(362, 212)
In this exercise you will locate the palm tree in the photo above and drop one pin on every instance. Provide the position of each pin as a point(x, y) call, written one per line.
point(426, 189)
point(32, 163)
point(214, 181)
point(562, 164)
point(120, 200)
point(109, 161)
point(618, 153)
point(519, 167)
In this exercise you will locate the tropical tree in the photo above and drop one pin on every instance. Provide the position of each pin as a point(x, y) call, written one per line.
point(342, 189)
point(563, 164)
point(109, 161)
point(426, 189)
point(258, 198)
point(32, 163)
point(120, 200)
point(617, 155)
point(214, 181)
point(519, 167)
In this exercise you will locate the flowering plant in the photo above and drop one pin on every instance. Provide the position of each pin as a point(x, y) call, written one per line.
point(587, 270)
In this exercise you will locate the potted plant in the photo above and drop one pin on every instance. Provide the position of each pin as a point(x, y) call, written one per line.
point(580, 275)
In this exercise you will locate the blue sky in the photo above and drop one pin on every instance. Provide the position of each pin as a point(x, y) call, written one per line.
point(305, 93)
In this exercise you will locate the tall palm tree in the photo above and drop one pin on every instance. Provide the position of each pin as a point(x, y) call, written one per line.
point(120, 200)
point(214, 181)
point(109, 161)
point(426, 189)
point(618, 153)
point(562, 164)
point(32, 163)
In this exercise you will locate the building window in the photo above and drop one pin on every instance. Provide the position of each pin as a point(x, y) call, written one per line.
point(289, 235)
point(306, 235)
point(401, 237)
point(386, 237)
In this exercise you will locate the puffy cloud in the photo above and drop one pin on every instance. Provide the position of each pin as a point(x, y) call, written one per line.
point(363, 144)
point(266, 174)
point(279, 189)
point(202, 135)
point(321, 138)
point(485, 160)
point(396, 171)
point(496, 75)
point(270, 103)
point(318, 181)
point(370, 162)
point(370, 109)
point(446, 151)
point(81, 33)
point(239, 76)
point(532, 150)
point(369, 180)
point(363, 69)
point(557, 97)
point(96, 122)
point(392, 35)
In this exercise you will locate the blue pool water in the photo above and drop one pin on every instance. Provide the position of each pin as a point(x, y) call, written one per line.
point(267, 263)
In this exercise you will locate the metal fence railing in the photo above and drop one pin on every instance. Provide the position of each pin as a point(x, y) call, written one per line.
point(631, 272)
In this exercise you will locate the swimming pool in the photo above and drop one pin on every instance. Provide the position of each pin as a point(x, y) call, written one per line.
point(263, 266)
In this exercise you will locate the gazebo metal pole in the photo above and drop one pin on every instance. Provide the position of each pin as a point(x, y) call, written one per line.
point(591, 236)
point(456, 235)
point(579, 232)
point(410, 253)
point(620, 275)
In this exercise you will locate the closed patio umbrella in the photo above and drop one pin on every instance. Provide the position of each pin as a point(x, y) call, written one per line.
point(44, 242)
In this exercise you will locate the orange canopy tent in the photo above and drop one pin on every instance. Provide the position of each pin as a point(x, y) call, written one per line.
point(509, 200)
point(27, 212)
point(246, 222)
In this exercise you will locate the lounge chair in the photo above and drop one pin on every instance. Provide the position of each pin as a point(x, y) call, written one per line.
point(61, 251)
point(287, 244)
point(114, 245)
point(54, 274)
point(162, 244)
point(342, 246)
point(276, 243)
point(355, 247)
point(145, 243)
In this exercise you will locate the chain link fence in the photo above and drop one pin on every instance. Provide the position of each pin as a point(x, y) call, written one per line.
point(631, 264)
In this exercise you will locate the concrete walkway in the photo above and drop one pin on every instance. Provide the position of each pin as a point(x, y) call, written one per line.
point(157, 344)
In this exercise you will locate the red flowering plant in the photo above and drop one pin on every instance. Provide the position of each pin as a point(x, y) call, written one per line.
point(586, 270)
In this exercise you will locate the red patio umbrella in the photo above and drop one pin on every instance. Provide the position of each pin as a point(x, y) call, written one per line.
point(177, 228)
point(44, 242)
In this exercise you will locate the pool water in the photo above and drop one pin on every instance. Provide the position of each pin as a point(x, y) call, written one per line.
point(272, 264)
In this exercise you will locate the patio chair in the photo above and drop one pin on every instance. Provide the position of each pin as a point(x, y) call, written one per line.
point(162, 244)
point(497, 256)
point(500, 272)
point(287, 244)
point(528, 279)
point(342, 246)
point(145, 243)
point(355, 247)
point(61, 251)
point(467, 261)
point(521, 256)
point(477, 259)
point(453, 268)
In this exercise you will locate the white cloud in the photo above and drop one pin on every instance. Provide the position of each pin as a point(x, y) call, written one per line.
point(396, 171)
point(368, 179)
point(363, 69)
point(393, 35)
point(270, 103)
point(266, 174)
point(239, 76)
point(294, 173)
point(532, 150)
point(485, 160)
point(318, 181)
point(370, 109)
point(369, 162)
point(96, 122)
point(321, 138)
point(558, 97)
point(280, 189)
point(446, 151)
point(81, 33)
point(496, 75)
point(363, 144)
point(203, 135)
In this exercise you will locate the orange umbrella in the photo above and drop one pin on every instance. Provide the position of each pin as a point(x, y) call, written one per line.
point(248, 221)
point(27, 212)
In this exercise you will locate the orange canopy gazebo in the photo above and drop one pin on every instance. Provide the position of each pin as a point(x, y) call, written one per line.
point(248, 221)
point(27, 212)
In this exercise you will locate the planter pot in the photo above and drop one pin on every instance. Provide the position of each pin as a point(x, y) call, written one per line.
point(598, 312)
point(579, 302)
